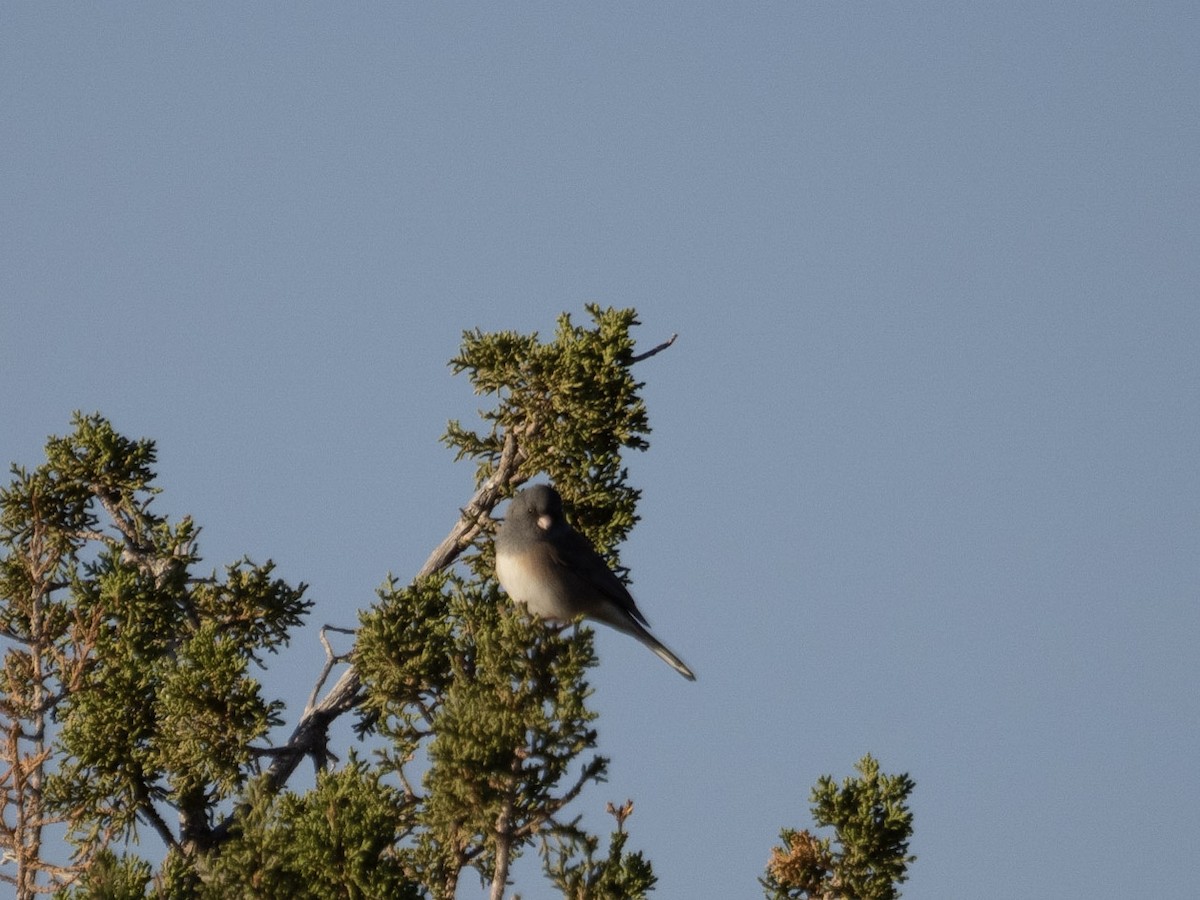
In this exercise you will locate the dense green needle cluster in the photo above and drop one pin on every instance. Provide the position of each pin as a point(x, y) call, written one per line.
point(490, 707)
point(128, 695)
point(867, 859)
point(572, 405)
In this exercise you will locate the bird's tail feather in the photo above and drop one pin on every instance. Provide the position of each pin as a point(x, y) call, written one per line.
point(665, 654)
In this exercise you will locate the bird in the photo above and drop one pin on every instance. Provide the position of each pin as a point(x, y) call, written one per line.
point(555, 573)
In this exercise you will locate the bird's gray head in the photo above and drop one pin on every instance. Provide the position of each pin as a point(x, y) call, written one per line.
point(537, 507)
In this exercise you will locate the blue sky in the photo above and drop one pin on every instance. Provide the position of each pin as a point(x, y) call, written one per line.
point(923, 477)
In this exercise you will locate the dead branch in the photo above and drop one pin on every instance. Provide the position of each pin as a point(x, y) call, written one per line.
point(655, 350)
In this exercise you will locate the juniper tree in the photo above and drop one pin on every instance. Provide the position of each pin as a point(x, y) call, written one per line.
point(130, 699)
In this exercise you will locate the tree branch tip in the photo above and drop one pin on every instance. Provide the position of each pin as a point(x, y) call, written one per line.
point(655, 350)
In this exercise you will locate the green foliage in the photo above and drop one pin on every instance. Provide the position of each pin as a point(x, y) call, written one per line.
point(571, 863)
point(141, 667)
point(868, 858)
point(495, 702)
point(112, 877)
point(336, 841)
point(167, 711)
point(573, 404)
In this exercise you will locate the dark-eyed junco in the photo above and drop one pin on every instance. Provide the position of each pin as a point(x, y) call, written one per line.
point(545, 564)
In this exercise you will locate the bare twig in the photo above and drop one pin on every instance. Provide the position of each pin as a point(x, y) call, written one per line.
point(655, 350)
point(552, 807)
point(331, 660)
point(478, 509)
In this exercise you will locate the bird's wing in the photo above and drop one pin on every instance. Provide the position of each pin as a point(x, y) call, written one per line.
point(580, 561)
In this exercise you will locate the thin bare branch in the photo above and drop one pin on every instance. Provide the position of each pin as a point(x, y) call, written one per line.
point(331, 659)
point(655, 350)
point(478, 508)
point(532, 827)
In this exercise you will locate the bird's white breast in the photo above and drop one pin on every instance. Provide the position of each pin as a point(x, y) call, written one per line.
point(541, 596)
